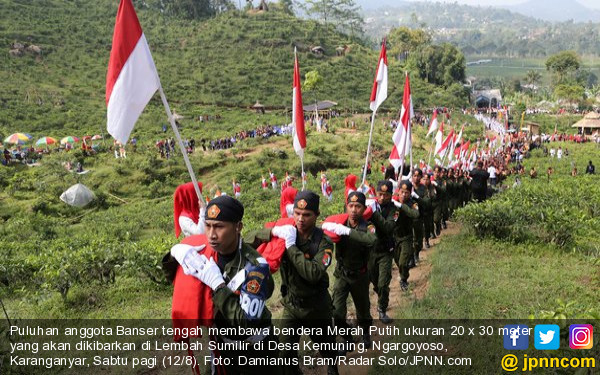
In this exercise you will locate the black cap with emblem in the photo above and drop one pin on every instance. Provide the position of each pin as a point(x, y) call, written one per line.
point(307, 200)
point(385, 186)
point(224, 208)
point(357, 197)
point(405, 185)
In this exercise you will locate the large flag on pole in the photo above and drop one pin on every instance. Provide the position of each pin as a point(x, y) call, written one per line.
point(434, 123)
point(298, 112)
point(402, 135)
point(444, 146)
point(380, 84)
point(132, 78)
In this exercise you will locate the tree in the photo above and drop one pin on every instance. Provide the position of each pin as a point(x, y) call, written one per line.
point(404, 41)
point(440, 65)
point(312, 82)
point(195, 9)
point(344, 14)
point(571, 93)
point(287, 6)
point(532, 77)
point(562, 64)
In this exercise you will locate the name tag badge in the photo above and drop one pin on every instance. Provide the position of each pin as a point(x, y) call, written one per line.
point(237, 280)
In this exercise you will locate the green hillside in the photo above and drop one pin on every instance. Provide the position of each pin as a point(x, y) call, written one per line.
point(231, 60)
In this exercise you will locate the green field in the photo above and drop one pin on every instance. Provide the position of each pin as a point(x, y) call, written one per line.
point(518, 68)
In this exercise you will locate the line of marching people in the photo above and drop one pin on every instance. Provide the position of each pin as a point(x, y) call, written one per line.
point(223, 278)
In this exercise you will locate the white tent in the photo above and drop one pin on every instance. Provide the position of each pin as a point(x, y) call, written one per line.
point(77, 195)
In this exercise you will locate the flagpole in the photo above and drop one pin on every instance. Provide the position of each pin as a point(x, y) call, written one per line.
point(302, 175)
point(368, 149)
point(430, 151)
point(180, 142)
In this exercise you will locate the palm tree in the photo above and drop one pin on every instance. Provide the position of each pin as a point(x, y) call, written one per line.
point(533, 77)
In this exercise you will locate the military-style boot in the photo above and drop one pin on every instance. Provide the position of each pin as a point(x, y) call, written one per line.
point(427, 246)
point(383, 317)
point(404, 285)
point(366, 339)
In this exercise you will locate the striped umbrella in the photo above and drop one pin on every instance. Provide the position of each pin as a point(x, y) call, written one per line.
point(17, 138)
point(96, 137)
point(45, 141)
point(69, 139)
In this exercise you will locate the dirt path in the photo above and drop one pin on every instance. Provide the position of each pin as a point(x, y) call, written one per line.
point(418, 287)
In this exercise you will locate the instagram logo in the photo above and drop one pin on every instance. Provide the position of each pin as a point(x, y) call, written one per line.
point(581, 336)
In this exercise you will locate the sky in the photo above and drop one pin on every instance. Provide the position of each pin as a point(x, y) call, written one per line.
point(595, 4)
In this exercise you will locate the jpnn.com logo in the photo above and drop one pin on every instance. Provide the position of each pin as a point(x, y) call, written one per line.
point(516, 336)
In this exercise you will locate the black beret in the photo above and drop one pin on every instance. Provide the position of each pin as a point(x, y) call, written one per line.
point(406, 183)
point(307, 200)
point(385, 186)
point(417, 170)
point(357, 197)
point(224, 208)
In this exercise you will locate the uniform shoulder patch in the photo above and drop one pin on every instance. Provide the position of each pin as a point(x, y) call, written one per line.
point(371, 228)
point(253, 286)
point(327, 257)
point(415, 206)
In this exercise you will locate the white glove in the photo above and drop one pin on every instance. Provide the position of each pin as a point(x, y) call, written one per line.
point(206, 270)
point(287, 232)
point(397, 204)
point(182, 253)
point(434, 183)
point(374, 205)
point(202, 213)
point(339, 229)
point(414, 195)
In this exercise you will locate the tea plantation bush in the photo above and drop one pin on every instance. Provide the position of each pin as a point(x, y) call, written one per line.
point(565, 213)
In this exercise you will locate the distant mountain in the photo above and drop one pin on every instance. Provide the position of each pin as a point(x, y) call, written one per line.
point(556, 10)
point(488, 31)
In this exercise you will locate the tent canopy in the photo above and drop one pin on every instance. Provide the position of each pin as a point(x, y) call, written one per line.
point(321, 106)
point(77, 195)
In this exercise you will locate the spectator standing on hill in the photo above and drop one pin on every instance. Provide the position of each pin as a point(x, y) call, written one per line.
point(590, 169)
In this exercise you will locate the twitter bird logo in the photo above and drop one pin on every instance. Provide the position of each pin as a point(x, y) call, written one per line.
point(547, 337)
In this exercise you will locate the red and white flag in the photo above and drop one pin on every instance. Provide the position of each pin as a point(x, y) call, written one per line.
point(402, 135)
point(380, 84)
point(434, 123)
point(459, 137)
point(441, 151)
point(439, 137)
point(132, 78)
point(298, 130)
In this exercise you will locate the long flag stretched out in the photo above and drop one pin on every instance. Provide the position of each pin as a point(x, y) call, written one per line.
point(402, 135)
point(132, 78)
point(380, 84)
point(434, 123)
point(298, 112)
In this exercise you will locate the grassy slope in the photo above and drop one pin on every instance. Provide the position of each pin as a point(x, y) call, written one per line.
point(234, 59)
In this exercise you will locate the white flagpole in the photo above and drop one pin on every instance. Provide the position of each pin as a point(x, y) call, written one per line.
point(181, 146)
point(411, 159)
point(430, 151)
point(302, 176)
point(368, 149)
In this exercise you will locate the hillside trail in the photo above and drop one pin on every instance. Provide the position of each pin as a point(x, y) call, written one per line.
point(418, 286)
